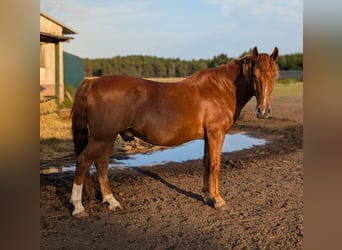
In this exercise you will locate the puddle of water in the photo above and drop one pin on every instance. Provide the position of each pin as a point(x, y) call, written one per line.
point(188, 151)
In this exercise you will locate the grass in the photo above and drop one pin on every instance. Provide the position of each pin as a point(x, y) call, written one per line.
point(51, 125)
point(287, 90)
point(287, 80)
point(69, 92)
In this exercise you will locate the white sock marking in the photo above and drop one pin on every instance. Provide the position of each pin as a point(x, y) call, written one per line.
point(76, 198)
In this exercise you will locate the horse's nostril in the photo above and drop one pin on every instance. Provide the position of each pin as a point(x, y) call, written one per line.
point(259, 110)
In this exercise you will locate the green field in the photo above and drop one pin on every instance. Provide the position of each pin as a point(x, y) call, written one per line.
point(285, 90)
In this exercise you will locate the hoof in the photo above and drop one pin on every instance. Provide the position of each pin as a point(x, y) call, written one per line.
point(221, 205)
point(114, 207)
point(80, 214)
point(113, 204)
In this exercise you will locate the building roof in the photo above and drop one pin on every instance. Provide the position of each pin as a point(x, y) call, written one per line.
point(66, 30)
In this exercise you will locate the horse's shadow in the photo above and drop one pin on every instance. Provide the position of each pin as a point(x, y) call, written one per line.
point(170, 185)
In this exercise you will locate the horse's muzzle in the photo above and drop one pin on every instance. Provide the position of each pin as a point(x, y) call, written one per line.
point(263, 112)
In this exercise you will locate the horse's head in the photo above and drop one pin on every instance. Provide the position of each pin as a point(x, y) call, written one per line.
point(265, 72)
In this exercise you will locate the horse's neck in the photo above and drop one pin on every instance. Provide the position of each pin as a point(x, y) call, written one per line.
point(244, 93)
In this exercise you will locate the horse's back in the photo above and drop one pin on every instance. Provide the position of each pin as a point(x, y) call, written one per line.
point(125, 89)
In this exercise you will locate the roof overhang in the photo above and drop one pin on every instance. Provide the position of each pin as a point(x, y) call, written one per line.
point(52, 38)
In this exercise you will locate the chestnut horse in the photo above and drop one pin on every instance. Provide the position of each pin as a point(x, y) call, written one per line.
point(202, 106)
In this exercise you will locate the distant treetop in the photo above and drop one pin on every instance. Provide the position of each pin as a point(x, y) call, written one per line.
point(152, 66)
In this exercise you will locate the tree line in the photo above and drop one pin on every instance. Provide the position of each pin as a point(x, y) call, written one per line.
point(152, 66)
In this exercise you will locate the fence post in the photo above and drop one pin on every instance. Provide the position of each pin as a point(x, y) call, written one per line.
point(57, 87)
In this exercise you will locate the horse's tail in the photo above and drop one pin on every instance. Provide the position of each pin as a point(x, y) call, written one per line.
point(79, 117)
point(80, 131)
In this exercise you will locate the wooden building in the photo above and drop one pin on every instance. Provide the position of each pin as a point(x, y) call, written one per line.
point(52, 35)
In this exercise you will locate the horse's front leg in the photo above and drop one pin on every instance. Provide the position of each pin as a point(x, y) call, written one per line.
point(215, 142)
point(206, 172)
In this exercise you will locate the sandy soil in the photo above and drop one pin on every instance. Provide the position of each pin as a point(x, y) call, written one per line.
point(163, 206)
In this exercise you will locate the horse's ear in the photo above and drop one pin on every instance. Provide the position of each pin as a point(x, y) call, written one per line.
point(255, 53)
point(274, 54)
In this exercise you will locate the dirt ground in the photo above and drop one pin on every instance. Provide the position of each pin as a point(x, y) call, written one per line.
point(163, 206)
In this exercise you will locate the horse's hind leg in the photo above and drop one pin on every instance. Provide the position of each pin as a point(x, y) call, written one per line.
point(91, 152)
point(101, 164)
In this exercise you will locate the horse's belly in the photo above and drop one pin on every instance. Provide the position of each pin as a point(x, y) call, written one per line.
point(166, 136)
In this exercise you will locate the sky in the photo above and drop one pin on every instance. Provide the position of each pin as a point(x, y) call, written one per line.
point(185, 29)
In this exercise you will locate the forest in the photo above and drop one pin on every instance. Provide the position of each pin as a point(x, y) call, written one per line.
point(152, 66)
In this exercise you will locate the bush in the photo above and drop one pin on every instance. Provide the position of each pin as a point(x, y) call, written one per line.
point(69, 93)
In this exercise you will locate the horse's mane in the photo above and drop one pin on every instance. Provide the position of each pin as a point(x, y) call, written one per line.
point(220, 69)
point(247, 63)
point(264, 63)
